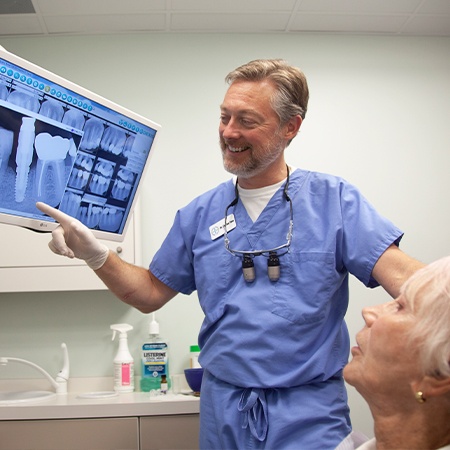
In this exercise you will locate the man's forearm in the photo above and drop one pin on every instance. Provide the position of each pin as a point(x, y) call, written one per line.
point(134, 285)
point(393, 268)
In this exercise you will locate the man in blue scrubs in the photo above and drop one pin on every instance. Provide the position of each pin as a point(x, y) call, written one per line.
point(269, 254)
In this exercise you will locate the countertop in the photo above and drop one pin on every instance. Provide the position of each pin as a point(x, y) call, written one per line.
point(69, 406)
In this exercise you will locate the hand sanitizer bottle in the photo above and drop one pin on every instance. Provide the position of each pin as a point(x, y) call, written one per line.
point(155, 361)
point(123, 362)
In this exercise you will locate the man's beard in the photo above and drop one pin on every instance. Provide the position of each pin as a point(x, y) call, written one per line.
point(253, 165)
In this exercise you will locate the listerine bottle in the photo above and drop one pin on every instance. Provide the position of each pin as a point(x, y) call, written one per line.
point(154, 360)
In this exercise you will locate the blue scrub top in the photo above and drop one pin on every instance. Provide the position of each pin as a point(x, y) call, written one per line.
point(292, 331)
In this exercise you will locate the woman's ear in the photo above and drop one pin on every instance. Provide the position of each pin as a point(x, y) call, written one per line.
point(432, 386)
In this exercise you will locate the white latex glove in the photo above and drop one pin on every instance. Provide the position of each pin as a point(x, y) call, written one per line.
point(74, 240)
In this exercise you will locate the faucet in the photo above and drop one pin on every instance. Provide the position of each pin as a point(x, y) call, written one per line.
point(60, 381)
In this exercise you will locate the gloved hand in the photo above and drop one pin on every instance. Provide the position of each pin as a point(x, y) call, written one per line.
point(74, 240)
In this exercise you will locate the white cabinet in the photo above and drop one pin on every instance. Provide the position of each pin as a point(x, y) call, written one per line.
point(71, 434)
point(28, 265)
point(176, 431)
point(169, 432)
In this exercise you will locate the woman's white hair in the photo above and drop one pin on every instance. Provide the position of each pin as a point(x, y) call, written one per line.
point(428, 293)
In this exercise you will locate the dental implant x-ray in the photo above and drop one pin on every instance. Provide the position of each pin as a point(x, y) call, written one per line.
point(63, 149)
point(36, 154)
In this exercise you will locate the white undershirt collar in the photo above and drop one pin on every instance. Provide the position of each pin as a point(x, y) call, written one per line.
point(255, 200)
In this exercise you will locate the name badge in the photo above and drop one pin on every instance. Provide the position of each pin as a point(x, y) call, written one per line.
point(218, 229)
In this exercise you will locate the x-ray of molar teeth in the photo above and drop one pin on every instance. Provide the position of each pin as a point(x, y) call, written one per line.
point(79, 178)
point(6, 145)
point(50, 168)
point(126, 175)
point(128, 146)
point(81, 171)
point(85, 162)
point(3, 92)
point(121, 190)
point(104, 168)
point(110, 219)
point(101, 179)
point(70, 203)
point(74, 118)
point(99, 184)
point(113, 141)
point(93, 131)
point(52, 109)
point(72, 151)
point(123, 184)
point(24, 100)
point(90, 215)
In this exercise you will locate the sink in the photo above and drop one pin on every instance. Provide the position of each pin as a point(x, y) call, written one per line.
point(18, 397)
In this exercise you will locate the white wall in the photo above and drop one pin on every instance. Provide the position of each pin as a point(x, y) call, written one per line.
point(378, 116)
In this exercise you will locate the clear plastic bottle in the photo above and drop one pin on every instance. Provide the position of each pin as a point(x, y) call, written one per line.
point(194, 354)
point(154, 360)
point(123, 362)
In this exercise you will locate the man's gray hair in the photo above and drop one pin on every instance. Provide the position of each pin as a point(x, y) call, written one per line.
point(292, 92)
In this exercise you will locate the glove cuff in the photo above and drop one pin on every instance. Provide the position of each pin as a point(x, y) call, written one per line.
point(97, 261)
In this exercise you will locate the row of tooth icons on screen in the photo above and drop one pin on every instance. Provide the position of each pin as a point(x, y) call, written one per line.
point(96, 135)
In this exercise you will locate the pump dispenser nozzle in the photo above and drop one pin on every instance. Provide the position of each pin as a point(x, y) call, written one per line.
point(153, 328)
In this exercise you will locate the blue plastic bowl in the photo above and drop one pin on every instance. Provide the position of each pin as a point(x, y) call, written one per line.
point(194, 378)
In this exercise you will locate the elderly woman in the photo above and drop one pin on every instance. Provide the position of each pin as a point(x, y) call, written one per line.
point(401, 365)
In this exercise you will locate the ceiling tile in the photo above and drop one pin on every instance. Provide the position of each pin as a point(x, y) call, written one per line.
point(107, 24)
point(359, 6)
point(228, 22)
point(421, 17)
point(435, 7)
point(21, 24)
point(428, 25)
point(232, 5)
point(348, 23)
point(85, 7)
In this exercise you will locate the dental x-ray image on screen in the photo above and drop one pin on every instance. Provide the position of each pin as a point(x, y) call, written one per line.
point(66, 146)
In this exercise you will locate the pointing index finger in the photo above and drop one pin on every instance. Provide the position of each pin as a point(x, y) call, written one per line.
point(59, 216)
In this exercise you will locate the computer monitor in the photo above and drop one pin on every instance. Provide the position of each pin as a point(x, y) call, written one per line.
point(70, 148)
